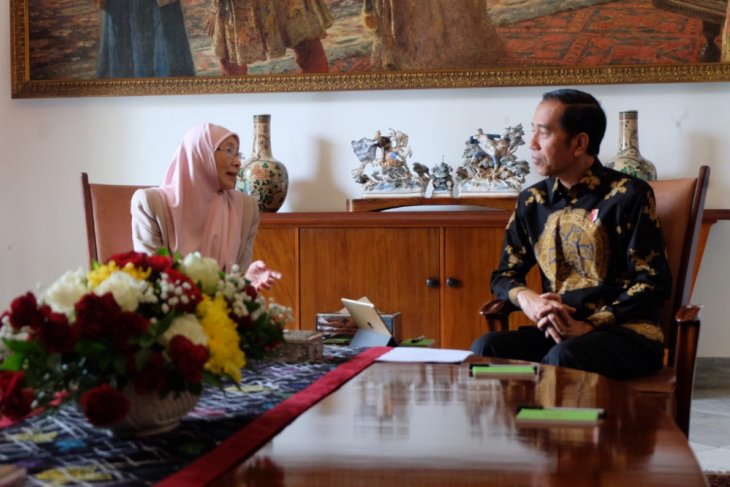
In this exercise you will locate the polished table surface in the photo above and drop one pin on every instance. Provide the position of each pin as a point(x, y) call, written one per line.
point(435, 425)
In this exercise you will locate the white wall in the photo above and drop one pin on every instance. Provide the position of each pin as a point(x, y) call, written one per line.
point(46, 143)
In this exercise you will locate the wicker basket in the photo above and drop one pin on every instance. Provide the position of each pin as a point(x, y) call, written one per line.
point(150, 415)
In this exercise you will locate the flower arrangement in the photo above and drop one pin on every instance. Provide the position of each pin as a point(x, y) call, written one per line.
point(158, 324)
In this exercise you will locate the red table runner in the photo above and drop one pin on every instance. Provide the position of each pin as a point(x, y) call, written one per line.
point(251, 437)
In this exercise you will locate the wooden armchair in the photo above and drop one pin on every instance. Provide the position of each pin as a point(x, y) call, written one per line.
point(680, 204)
point(108, 218)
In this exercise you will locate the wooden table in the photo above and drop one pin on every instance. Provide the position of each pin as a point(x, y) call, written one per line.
point(434, 425)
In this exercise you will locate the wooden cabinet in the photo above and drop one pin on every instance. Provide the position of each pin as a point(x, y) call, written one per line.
point(433, 267)
point(388, 265)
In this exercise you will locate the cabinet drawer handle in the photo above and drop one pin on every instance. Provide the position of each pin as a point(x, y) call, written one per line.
point(432, 282)
point(453, 282)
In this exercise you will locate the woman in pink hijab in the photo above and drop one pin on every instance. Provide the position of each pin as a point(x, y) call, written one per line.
point(197, 207)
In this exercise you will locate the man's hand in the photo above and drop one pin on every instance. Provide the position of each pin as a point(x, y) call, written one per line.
point(560, 324)
point(537, 306)
point(551, 315)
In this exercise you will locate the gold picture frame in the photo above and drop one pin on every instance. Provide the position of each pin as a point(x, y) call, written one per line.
point(25, 87)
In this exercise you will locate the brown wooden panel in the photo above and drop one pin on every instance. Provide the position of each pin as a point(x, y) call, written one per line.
point(470, 256)
point(388, 265)
point(277, 247)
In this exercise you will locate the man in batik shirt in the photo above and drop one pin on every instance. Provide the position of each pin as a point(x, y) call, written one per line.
point(595, 236)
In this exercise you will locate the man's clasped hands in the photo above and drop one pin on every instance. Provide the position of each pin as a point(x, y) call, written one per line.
point(552, 316)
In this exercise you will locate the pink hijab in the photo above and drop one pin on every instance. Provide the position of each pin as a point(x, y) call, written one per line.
point(204, 218)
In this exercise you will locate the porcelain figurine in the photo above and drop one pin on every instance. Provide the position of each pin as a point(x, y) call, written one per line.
point(442, 181)
point(489, 165)
point(390, 173)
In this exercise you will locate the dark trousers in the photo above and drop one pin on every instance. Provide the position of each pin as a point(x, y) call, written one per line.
point(613, 351)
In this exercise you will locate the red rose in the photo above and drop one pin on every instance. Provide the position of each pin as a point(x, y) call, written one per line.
point(94, 313)
point(188, 358)
point(128, 325)
point(137, 259)
point(159, 263)
point(104, 405)
point(24, 312)
point(152, 376)
point(251, 291)
point(55, 334)
point(242, 322)
point(15, 400)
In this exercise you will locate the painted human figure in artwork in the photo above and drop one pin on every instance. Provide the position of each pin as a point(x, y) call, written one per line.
point(245, 32)
point(143, 39)
point(422, 34)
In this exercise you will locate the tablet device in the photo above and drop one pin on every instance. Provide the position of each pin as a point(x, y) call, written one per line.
point(371, 329)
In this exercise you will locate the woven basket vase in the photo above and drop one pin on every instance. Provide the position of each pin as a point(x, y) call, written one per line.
point(150, 415)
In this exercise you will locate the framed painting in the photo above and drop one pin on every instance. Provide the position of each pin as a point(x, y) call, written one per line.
point(153, 47)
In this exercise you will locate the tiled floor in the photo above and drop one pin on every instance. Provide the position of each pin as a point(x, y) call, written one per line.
point(709, 431)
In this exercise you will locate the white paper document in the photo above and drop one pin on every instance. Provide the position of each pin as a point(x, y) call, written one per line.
point(417, 354)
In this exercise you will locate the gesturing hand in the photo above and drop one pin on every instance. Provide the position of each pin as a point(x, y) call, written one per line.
point(261, 277)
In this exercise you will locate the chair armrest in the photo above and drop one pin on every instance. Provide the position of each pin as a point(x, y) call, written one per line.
point(496, 313)
point(688, 334)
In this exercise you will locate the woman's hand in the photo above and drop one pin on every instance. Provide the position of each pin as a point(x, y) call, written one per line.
point(261, 277)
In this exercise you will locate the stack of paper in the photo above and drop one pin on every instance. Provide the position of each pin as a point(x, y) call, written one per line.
point(425, 355)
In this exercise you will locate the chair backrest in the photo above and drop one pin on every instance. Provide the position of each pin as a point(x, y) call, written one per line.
point(680, 205)
point(107, 208)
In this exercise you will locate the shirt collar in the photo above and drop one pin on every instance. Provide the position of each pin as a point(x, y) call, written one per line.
point(590, 180)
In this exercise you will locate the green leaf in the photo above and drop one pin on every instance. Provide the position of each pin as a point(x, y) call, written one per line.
point(23, 346)
point(141, 358)
point(13, 362)
point(161, 326)
point(120, 365)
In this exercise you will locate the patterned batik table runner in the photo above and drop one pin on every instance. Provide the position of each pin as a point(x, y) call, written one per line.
point(61, 447)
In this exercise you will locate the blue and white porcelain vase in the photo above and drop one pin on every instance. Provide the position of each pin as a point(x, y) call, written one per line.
point(629, 160)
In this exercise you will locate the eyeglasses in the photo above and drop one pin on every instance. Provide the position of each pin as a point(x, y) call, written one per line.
point(230, 151)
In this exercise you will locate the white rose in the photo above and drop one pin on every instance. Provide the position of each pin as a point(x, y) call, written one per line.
point(202, 270)
point(188, 326)
point(63, 294)
point(127, 290)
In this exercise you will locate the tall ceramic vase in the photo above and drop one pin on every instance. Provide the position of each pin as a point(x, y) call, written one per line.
point(628, 159)
point(262, 176)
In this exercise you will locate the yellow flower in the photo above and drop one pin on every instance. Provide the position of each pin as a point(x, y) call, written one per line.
point(101, 273)
point(226, 357)
point(139, 274)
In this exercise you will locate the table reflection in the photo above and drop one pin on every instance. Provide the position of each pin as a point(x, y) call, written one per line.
point(434, 423)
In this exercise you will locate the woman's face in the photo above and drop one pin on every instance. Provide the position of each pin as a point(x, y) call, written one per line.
point(227, 163)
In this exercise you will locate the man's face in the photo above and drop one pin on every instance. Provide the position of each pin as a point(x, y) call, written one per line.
point(553, 152)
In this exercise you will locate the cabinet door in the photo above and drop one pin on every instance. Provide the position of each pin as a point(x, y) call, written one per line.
point(470, 256)
point(277, 247)
point(388, 265)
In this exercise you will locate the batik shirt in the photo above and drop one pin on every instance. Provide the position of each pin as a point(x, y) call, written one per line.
point(597, 244)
